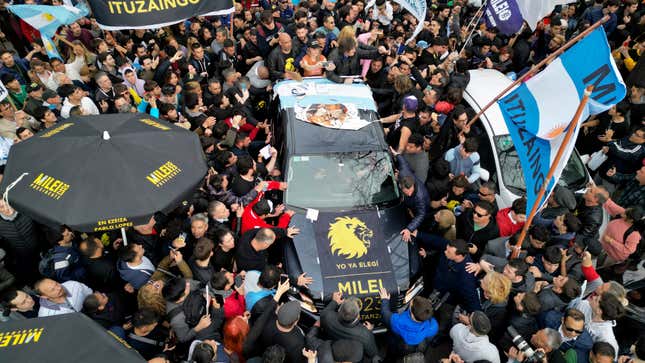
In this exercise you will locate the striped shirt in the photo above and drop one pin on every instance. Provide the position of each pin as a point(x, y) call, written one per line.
point(76, 294)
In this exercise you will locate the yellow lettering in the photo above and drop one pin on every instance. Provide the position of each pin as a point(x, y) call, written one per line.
point(182, 2)
point(372, 286)
point(170, 4)
point(345, 288)
point(153, 5)
point(129, 9)
point(361, 290)
point(35, 336)
point(141, 8)
point(5, 340)
point(193, 1)
point(40, 179)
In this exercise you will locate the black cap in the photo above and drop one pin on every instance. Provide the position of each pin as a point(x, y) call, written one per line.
point(33, 86)
point(314, 44)
point(289, 313)
point(480, 323)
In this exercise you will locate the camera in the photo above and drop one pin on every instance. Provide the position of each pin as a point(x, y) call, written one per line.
point(532, 356)
point(436, 299)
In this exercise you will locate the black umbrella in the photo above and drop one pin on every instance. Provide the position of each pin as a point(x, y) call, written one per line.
point(62, 338)
point(98, 173)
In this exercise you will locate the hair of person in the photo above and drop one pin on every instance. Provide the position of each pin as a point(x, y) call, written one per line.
point(127, 252)
point(540, 233)
point(235, 332)
point(265, 235)
point(447, 222)
point(612, 308)
point(490, 185)
point(262, 207)
point(203, 353)
point(407, 182)
point(7, 296)
point(149, 297)
point(485, 205)
point(460, 245)
point(240, 137)
point(570, 290)
point(572, 222)
point(244, 164)
point(458, 111)
point(460, 181)
point(639, 347)
point(221, 233)
point(219, 280)
point(519, 206)
point(174, 289)
point(274, 354)
point(269, 277)
point(346, 44)
point(553, 338)
point(600, 196)
point(519, 265)
point(416, 139)
point(349, 311)
point(199, 217)
point(191, 100)
point(144, 317)
point(604, 349)
point(618, 290)
point(91, 304)
point(553, 255)
point(90, 246)
point(421, 308)
point(203, 248)
point(574, 314)
point(497, 286)
point(214, 204)
point(531, 303)
point(470, 145)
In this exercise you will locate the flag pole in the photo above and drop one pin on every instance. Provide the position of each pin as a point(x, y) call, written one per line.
point(538, 66)
point(478, 15)
point(554, 165)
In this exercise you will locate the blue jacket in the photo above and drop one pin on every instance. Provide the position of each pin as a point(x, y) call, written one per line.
point(136, 278)
point(582, 344)
point(67, 264)
point(20, 62)
point(412, 332)
point(418, 201)
point(452, 276)
point(254, 296)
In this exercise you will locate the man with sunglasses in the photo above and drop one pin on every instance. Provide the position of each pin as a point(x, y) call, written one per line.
point(477, 226)
point(572, 331)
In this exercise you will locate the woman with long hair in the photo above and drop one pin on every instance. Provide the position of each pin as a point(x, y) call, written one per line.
point(235, 332)
point(149, 296)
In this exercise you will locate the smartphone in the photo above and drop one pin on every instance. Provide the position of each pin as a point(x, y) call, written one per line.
point(182, 236)
point(239, 280)
point(283, 278)
point(325, 63)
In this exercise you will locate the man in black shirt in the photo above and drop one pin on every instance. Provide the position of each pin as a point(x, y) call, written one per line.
point(100, 266)
point(147, 337)
point(200, 262)
point(224, 253)
point(252, 249)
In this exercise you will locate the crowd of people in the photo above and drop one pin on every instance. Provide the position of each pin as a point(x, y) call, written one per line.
point(560, 289)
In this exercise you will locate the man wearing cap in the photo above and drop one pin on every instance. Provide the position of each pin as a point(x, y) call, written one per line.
point(403, 125)
point(17, 91)
point(312, 62)
point(471, 343)
point(277, 326)
point(382, 12)
point(260, 208)
point(34, 98)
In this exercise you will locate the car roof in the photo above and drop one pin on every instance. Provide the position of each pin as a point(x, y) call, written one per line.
point(484, 85)
point(305, 138)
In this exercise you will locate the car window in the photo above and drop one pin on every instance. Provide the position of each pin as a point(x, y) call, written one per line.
point(341, 180)
point(573, 175)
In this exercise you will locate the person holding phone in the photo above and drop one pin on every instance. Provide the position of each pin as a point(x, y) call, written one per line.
point(227, 288)
point(314, 61)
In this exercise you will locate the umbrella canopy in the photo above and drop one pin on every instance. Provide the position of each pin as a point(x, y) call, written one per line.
point(62, 338)
point(98, 173)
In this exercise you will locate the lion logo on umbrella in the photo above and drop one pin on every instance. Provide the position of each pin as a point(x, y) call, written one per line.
point(349, 237)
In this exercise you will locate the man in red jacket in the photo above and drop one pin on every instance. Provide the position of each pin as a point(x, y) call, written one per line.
point(259, 209)
point(511, 220)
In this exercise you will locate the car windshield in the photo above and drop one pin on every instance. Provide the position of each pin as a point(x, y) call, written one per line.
point(341, 180)
point(573, 175)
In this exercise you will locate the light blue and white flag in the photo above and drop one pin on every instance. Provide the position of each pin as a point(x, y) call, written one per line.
point(47, 19)
point(508, 15)
point(539, 111)
point(418, 9)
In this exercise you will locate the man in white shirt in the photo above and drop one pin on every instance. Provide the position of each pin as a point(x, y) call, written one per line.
point(382, 12)
point(58, 299)
point(76, 97)
point(471, 343)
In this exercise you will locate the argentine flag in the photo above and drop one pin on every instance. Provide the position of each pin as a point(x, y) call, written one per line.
point(47, 19)
point(539, 111)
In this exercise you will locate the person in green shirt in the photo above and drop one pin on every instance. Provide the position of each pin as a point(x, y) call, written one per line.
point(17, 92)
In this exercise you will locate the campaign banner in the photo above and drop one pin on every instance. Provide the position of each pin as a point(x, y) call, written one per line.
point(537, 117)
point(150, 14)
point(354, 258)
point(509, 15)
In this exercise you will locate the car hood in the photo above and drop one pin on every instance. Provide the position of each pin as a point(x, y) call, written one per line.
point(355, 252)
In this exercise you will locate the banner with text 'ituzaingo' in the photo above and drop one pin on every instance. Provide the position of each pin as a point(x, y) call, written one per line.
point(147, 14)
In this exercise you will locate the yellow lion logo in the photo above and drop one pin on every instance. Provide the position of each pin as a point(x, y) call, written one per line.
point(349, 237)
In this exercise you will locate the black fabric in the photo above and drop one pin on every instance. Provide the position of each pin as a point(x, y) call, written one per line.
point(144, 166)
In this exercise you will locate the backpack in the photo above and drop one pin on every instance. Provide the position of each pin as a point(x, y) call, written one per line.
point(53, 263)
point(193, 307)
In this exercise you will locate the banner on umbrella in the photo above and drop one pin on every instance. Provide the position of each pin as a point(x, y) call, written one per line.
point(509, 15)
point(355, 260)
point(147, 14)
point(537, 117)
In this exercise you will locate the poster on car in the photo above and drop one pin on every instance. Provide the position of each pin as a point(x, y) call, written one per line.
point(335, 116)
point(356, 260)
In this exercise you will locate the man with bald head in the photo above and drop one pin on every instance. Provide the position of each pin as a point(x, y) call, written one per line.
point(281, 61)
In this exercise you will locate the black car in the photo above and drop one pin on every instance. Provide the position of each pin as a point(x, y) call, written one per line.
point(347, 202)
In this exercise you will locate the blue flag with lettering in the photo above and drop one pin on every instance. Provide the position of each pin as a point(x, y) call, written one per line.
point(509, 15)
point(540, 110)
